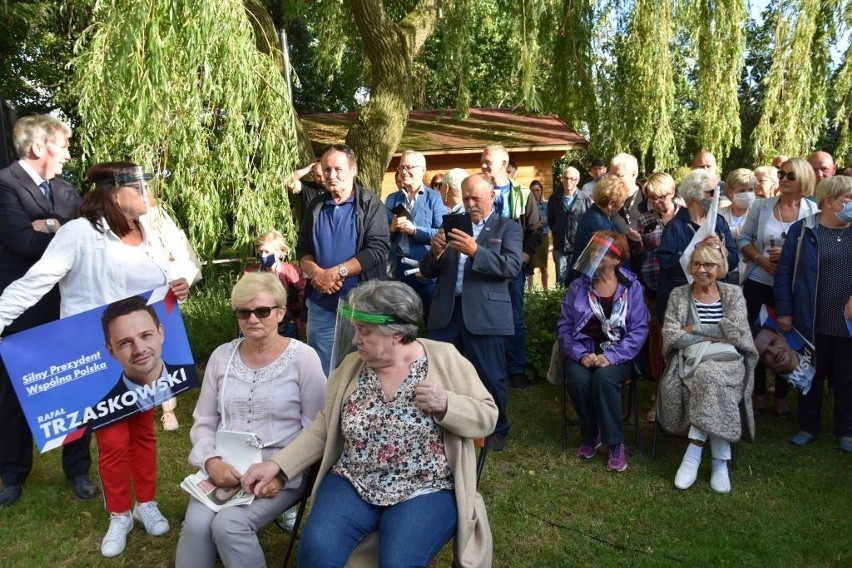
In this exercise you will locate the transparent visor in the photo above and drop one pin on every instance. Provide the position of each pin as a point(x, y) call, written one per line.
point(344, 329)
point(591, 257)
point(133, 176)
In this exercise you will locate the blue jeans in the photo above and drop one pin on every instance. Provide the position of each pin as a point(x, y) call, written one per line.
point(410, 533)
point(561, 260)
point(321, 332)
point(516, 346)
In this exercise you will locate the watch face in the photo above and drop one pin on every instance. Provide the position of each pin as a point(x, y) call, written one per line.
point(342, 271)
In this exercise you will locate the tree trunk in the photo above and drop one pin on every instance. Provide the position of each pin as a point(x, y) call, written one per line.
point(391, 48)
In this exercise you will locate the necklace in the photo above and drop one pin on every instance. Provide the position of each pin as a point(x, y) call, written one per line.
point(837, 232)
point(784, 226)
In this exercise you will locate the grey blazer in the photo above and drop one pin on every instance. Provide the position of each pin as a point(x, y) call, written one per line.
point(485, 297)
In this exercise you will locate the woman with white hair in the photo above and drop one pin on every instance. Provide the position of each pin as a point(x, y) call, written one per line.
point(760, 240)
point(696, 189)
point(767, 181)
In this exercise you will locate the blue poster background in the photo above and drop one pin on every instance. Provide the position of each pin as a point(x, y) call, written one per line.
point(61, 368)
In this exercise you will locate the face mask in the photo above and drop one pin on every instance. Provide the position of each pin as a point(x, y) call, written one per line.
point(744, 200)
point(267, 261)
point(845, 214)
point(705, 204)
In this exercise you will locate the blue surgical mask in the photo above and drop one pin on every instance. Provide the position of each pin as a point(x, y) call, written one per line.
point(845, 214)
point(267, 261)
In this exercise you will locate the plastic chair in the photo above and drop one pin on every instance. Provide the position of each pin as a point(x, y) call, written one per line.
point(630, 410)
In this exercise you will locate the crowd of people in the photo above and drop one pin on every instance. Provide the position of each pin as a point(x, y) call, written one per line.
point(328, 368)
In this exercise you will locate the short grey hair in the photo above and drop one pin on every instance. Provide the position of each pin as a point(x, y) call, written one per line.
point(627, 160)
point(695, 183)
point(454, 179)
point(37, 128)
point(418, 157)
point(389, 298)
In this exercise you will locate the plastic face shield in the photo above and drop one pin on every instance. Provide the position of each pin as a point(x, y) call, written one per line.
point(133, 176)
point(344, 329)
point(591, 257)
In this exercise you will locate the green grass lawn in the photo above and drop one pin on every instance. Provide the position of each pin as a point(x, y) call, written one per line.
point(789, 506)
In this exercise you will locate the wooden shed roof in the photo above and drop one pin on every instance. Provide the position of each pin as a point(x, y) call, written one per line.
point(439, 132)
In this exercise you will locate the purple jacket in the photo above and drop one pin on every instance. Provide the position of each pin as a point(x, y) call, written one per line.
point(576, 312)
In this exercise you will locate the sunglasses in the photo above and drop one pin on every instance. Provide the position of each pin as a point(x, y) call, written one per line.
point(789, 175)
point(260, 313)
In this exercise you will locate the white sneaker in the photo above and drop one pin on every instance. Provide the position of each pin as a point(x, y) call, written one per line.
point(170, 422)
point(287, 520)
point(149, 515)
point(116, 537)
point(720, 482)
point(686, 474)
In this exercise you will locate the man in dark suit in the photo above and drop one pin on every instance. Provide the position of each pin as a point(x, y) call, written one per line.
point(472, 307)
point(34, 203)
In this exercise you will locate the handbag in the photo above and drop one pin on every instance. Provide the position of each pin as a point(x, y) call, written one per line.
point(693, 355)
point(240, 449)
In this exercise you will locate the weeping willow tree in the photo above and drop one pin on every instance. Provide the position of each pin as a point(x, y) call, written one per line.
point(843, 100)
point(794, 107)
point(181, 88)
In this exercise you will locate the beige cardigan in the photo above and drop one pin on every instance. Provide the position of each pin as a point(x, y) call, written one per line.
point(471, 413)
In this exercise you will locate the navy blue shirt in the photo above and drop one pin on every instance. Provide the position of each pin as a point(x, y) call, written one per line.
point(335, 238)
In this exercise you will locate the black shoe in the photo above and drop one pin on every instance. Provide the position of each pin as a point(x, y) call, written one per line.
point(519, 381)
point(82, 488)
point(9, 495)
point(495, 442)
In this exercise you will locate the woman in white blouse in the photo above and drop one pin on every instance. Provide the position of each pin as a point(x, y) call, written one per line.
point(106, 255)
point(265, 384)
point(760, 239)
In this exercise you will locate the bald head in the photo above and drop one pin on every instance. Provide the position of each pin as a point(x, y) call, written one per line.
point(478, 196)
point(704, 160)
point(823, 165)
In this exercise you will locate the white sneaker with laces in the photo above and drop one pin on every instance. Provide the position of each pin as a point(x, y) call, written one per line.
point(116, 537)
point(149, 515)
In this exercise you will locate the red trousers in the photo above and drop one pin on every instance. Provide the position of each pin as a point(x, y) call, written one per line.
point(127, 451)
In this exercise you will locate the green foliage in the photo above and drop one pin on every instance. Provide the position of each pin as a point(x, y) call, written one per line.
point(207, 313)
point(542, 309)
point(181, 88)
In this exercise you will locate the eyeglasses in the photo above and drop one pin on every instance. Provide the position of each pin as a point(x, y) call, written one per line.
point(408, 168)
point(260, 313)
point(789, 175)
point(697, 265)
point(659, 197)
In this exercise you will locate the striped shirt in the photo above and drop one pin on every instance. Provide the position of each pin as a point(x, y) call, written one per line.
point(709, 313)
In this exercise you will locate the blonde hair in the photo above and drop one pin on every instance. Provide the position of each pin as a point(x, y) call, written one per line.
point(741, 176)
point(276, 239)
point(659, 184)
point(804, 173)
point(834, 186)
point(253, 283)
point(706, 253)
point(610, 188)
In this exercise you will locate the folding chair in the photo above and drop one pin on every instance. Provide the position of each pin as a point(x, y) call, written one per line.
point(630, 410)
point(305, 487)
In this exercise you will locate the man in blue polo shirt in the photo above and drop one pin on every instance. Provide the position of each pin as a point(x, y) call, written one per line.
point(343, 241)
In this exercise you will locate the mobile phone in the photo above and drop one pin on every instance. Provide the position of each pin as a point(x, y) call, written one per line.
point(401, 211)
point(460, 221)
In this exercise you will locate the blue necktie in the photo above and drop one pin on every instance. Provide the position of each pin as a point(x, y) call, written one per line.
point(45, 189)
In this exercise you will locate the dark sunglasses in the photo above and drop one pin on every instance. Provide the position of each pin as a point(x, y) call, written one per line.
point(789, 175)
point(260, 313)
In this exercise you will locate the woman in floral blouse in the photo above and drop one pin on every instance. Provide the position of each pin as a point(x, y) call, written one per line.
point(395, 440)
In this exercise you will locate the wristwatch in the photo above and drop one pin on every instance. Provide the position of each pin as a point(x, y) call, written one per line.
point(341, 269)
point(51, 225)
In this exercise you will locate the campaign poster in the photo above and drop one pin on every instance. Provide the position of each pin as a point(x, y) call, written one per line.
point(787, 353)
point(100, 366)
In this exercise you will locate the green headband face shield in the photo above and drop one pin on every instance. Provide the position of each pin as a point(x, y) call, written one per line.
point(344, 329)
point(350, 313)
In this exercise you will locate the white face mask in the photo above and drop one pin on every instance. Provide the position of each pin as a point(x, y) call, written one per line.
point(744, 200)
